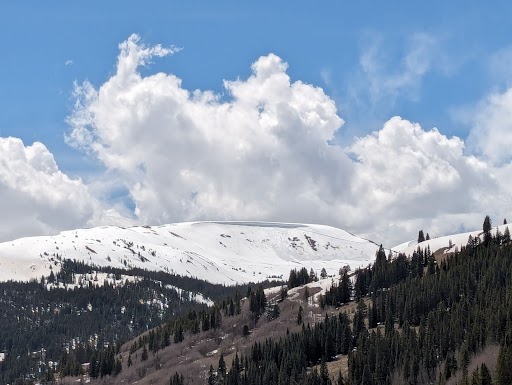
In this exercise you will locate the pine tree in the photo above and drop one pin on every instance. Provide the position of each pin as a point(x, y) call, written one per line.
point(421, 236)
point(117, 367)
point(345, 288)
point(504, 365)
point(506, 235)
point(221, 371)
point(485, 375)
point(324, 373)
point(306, 294)
point(144, 355)
point(487, 227)
point(211, 376)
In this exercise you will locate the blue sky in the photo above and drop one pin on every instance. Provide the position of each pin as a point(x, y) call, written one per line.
point(433, 63)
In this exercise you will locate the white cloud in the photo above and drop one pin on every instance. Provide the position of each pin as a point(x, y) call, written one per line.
point(36, 197)
point(263, 154)
point(491, 132)
point(68, 62)
point(408, 179)
point(189, 155)
point(386, 81)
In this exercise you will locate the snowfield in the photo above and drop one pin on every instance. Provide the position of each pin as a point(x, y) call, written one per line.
point(456, 241)
point(219, 252)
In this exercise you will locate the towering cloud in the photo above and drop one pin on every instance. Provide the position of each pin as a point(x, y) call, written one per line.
point(261, 154)
point(36, 197)
point(262, 150)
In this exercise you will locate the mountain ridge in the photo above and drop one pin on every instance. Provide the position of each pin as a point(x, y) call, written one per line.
point(226, 252)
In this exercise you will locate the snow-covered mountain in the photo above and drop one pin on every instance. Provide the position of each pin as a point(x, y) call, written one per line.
point(448, 243)
point(219, 252)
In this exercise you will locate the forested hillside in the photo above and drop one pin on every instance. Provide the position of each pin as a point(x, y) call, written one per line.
point(430, 318)
point(85, 310)
point(416, 321)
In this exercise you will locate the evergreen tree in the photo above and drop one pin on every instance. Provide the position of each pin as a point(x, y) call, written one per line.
point(485, 375)
point(117, 367)
point(345, 288)
point(306, 295)
point(211, 376)
point(299, 316)
point(506, 235)
point(221, 371)
point(177, 379)
point(324, 373)
point(421, 236)
point(144, 355)
point(487, 227)
point(504, 365)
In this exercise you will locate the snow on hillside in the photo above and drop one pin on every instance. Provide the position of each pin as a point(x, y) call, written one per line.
point(220, 252)
point(456, 241)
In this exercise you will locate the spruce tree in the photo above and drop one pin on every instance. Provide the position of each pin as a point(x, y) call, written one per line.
point(487, 227)
point(504, 365)
point(485, 375)
point(221, 371)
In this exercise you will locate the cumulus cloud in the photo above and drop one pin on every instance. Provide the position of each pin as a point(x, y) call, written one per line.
point(408, 178)
point(192, 155)
point(36, 197)
point(491, 133)
point(262, 152)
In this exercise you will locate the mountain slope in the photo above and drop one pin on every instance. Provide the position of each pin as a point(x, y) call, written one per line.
point(449, 243)
point(220, 252)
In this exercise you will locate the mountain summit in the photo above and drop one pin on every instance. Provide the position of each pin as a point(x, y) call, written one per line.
point(219, 252)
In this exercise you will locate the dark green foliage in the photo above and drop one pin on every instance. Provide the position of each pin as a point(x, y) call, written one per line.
point(306, 295)
point(283, 293)
point(504, 367)
point(487, 227)
point(301, 277)
point(339, 294)
point(257, 302)
point(506, 235)
point(177, 379)
point(424, 328)
point(485, 375)
point(144, 355)
point(444, 318)
point(42, 321)
point(221, 370)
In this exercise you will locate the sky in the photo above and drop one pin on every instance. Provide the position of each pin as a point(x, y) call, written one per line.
point(378, 118)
